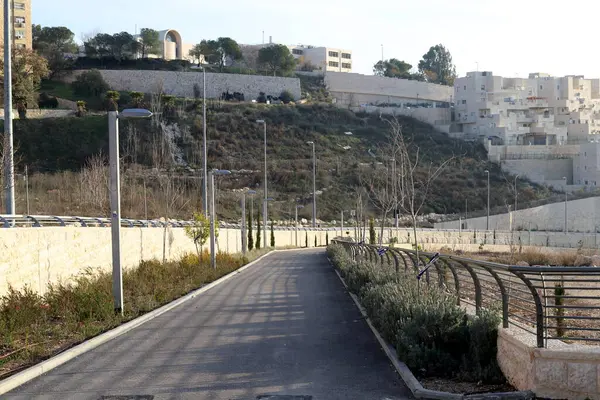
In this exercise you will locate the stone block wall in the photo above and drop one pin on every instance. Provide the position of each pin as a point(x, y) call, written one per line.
point(561, 371)
point(181, 84)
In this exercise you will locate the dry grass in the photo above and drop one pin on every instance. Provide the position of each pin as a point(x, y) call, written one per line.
point(35, 327)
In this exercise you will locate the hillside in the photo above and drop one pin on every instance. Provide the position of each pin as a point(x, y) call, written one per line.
point(55, 150)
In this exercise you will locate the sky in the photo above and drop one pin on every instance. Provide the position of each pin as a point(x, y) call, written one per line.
point(508, 37)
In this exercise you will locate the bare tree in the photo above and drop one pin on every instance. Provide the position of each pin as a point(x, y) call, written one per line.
point(94, 183)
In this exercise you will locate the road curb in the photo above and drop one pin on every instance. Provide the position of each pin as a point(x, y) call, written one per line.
point(37, 370)
point(407, 376)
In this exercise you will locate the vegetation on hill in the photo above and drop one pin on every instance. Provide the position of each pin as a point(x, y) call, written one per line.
point(162, 156)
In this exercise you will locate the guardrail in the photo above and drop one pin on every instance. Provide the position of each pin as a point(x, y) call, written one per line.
point(37, 221)
point(560, 303)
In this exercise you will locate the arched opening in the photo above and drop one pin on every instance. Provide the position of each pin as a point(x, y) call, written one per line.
point(174, 37)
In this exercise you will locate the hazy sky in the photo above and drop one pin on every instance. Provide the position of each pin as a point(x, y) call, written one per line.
point(508, 37)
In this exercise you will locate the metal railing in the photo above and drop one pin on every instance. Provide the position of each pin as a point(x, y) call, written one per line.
point(561, 303)
point(38, 221)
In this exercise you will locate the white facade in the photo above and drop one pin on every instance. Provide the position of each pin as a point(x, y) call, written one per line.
point(586, 165)
point(323, 58)
point(539, 110)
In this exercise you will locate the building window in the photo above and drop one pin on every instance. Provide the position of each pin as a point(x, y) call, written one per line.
point(19, 6)
point(19, 20)
point(464, 102)
point(334, 54)
point(346, 65)
point(21, 45)
point(465, 87)
point(482, 87)
point(346, 56)
point(557, 87)
point(19, 34)
point(541, 87)
point(334, 64)
point(297, 52)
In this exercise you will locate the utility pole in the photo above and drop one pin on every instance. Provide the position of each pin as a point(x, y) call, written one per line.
point(27, 189)
point(205, 182)
point(9, 166)
point(244, 236)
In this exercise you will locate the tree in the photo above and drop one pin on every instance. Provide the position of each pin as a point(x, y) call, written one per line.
point(372, 234)
point(257, 244)
point(196, 53)
point(316, 245)
point(199, 231)
point(28, 70)
point(220, 51)
point(277, 58)
point(90, 83)
point(111, 99)
point(149, 43)
point(306, 240)
point(250, 238)
point(437, 66)
point(272, 235)
point(137, 99)
point(54, 44)
point(286, 97)
point(123, 45)
point(326, 238)
point(392, 68)
point(100, 45)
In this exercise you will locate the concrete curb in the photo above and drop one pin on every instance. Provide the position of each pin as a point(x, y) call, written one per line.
point(37, 370)
point(407, 376)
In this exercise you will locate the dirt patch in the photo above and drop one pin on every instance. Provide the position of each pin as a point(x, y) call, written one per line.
point(456, 386)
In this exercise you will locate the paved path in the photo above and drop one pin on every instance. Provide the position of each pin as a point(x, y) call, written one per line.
point(285, 326)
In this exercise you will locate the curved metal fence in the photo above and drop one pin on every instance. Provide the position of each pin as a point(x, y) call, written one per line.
point(560, 303)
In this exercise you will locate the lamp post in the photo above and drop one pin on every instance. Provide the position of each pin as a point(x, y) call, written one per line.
point(264, 123)
point(566, 199)
point(314, 207)
point(9, 165)
point(296, 219)
point(244, 227)
point(205, 180)
point(213, 255)
point(487, 221)
point(115, 198)
point(516, 196)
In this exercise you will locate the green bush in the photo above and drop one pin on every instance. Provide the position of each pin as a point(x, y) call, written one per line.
point(90, 83)
point(286, 97)
point(432, 335)
point(47, 101)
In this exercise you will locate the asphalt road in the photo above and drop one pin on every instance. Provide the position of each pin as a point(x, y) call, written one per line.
point(283, 327)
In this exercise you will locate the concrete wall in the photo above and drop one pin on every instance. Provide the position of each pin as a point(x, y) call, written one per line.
point(181, 84)
point(386, 89)
point(38, 256)
point(548, 172)
point(41, 113)
point(582, 216)
point(561, 371)
point(498, 153)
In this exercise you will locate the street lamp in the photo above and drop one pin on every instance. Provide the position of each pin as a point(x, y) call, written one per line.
point(244, 237)
point(205, 180)
point(263, 122)
point(566, 198)
point(115, 197)
point(296, 219)
point(487, 223)
point(213, 255)
point(9, 165)
point(516, 196)
point(314, 207)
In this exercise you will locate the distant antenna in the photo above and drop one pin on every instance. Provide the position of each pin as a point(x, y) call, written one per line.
point(263, 37)
point(136, 29)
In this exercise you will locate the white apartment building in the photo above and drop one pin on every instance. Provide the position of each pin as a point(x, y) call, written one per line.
point(323, 58)
point(539, 110)
point(586, 165)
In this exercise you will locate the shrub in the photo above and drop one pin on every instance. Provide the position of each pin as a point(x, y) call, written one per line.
point(47, 101)
point(111, 100)
point(90, 83)
point(432, 335)
point(286, 97)
point(81, 108)
point(262, 98)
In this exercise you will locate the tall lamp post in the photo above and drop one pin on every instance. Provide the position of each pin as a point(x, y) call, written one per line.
point(205, 183)
point(487, 221)
point(516, 196)
point(9, 166)
point(296, 224)
point(264, 123)
point(566, 199)
point(314, 207)
point(213, 255)
point(115, 198)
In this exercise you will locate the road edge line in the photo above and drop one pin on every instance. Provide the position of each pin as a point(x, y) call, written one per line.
point(43, 367)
